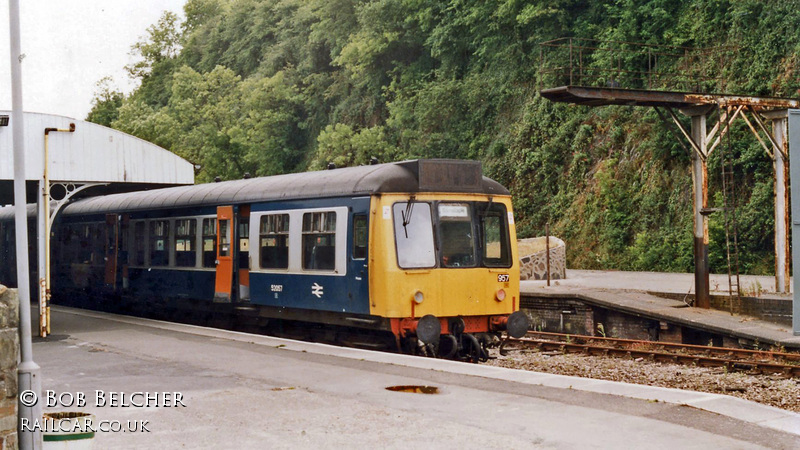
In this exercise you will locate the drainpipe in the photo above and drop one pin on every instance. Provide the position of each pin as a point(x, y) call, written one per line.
point(44, 234)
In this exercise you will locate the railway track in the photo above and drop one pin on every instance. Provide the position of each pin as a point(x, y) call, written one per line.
point(732, 359)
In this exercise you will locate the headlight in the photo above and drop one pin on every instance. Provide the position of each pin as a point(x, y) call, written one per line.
point(418, 297)
point(500, 295)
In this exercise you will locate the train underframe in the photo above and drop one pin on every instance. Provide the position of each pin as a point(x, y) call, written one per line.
point(459, 338)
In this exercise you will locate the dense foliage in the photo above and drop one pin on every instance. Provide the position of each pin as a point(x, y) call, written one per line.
point(272, 86)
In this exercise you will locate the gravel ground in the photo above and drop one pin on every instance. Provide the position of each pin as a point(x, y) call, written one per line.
point(773, 390)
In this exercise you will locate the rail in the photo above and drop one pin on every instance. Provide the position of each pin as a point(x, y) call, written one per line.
point(756, 361)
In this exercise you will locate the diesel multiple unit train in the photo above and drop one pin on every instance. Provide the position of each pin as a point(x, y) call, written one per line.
point(422, 251)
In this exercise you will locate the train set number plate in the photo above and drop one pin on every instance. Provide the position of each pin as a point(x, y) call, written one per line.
point(503, 278)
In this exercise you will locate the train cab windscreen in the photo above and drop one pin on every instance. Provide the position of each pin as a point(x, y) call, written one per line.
point(413, 231)
point(451, 234)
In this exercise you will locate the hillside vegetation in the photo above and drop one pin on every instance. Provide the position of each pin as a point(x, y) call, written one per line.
point(274, 86)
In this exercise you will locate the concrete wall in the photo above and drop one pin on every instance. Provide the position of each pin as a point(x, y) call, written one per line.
point(9, 356)
point(533, 259)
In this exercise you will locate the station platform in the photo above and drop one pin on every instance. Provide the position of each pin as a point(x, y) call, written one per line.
point(242, 390)
point(674, 283)
point(637, 293)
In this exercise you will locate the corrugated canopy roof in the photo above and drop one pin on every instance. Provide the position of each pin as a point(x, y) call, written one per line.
point(90, 154)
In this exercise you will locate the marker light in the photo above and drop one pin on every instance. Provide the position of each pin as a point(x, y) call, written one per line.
point(500, 295)
point(418, 297)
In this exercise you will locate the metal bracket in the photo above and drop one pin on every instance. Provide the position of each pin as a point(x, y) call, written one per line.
point(672, 131)
point(756, 134)
point(70, 190)
point(688, 135)
point(728, 122)
point(771, 138)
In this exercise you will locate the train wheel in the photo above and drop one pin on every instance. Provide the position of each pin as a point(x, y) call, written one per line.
point(472, 349)
point(448, 346)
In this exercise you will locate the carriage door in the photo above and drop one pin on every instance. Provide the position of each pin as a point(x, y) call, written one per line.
point(243, 254)
point(110, 257)
point(358, 276)
point(224, 283)
point(124, 243)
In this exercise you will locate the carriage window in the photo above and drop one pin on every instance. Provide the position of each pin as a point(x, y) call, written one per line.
point(124, 240)
point(209, 242)
point(72, 238)
point(138, 243)
point(359, 237)
point(496, 252)
point(68, 237)
point(97, 237)
point(456, 235)
point(159, 243)
point(185, 237)
point(91, 244)
point(319, 241)
point(413, 232)
point(274, 241)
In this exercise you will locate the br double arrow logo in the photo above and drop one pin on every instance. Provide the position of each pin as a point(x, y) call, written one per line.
point(316, 289)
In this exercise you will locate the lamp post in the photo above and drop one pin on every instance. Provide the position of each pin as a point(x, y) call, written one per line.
point(28, 372)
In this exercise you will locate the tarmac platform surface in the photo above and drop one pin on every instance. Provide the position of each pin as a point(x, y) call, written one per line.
point(628, 292)
point(675, 283)
point(250, 391)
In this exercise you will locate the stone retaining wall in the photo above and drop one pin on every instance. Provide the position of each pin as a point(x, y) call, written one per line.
point(9, 357)
point(533, 259)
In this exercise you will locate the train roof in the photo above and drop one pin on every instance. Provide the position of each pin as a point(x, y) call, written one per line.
point(7, 212)
point(416, 176)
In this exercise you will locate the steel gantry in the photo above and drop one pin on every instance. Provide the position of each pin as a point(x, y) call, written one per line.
point(756, 112)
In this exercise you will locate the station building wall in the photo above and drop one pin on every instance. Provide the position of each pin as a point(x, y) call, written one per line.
point(9, 356)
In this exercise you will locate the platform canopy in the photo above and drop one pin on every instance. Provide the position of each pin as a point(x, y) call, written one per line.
point(91, 154)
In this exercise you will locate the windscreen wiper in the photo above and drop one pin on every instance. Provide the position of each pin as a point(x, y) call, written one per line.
point(407, 214)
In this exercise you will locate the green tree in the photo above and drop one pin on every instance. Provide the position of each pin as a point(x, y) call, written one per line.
point(106, 103)
point(162, 43)
point(341, 145)
point(157, 54)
